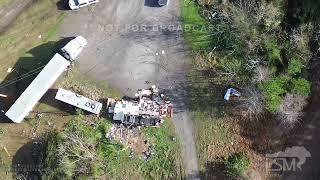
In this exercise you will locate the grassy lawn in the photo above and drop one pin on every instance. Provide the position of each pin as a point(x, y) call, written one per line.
point(218, 135)
point(196, 28)
point(166, 163)
point(112, 159)
point(18, 46)
point(40, 20)
point(4, 3)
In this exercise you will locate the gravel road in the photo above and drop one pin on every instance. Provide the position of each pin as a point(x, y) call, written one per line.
point(133, 45)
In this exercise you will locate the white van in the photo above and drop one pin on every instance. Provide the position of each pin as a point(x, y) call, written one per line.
point(76, 4)
point(73, 48)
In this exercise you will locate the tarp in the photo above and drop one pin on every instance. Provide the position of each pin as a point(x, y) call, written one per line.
point(230, 92)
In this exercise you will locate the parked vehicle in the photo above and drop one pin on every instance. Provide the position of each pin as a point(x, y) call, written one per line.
point(73, 48)
point(76, 4)
point(162, 2)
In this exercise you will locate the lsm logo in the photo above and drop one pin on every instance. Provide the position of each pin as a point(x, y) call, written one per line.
point(289, 160)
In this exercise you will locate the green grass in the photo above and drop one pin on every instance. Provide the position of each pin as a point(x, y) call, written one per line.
point(193, 22)
point(113, 160)
point(20, 46)
point(237, 164)
point(75, 81)
point(216, 133)
point(42, 18)
point(166, 163)
point(5, 3)
point(232, 45)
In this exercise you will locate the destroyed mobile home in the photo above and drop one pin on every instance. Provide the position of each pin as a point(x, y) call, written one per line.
point(149, 108)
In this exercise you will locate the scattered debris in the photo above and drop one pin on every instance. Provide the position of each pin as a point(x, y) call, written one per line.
point(6, 150)
point(40, 36)
point(3, 95)
point(129, 137)
point(9, 70)
point(38, 115)
point(148, 152)
point(231, 91)
point(148, 108)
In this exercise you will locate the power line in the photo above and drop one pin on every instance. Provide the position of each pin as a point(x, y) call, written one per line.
point(28, 74)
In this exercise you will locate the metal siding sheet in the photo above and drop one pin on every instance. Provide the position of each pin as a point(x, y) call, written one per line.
point(38, 87)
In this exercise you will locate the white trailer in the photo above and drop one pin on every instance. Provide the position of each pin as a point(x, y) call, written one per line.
point(79, 101)
point(38, 87)
point(45, 79)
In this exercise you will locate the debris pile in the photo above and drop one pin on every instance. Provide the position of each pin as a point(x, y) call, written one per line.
point(148, 108)
point(131, 138)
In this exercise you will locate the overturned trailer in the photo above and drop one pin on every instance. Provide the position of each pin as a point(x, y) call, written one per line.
point(38, 87)
point(45, 79)
point(79, 101)
point(148, 109)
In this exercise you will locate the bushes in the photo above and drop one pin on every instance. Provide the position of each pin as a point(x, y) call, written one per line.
point(295, 67)
point(301, 86)
point(72, 153)
point(82, 151)
point(273, 51)
point(237, 164)
point(273, 91)
point(52, 169)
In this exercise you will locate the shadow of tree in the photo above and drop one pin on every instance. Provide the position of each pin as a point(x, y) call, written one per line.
point(26, 163)
point(212, 170)
point(298, 12)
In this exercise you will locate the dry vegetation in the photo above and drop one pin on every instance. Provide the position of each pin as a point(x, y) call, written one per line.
point(256, 50)
point(290, 110)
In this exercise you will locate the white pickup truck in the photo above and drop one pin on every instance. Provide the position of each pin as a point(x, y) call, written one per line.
point(76, 4)
point(73, 48)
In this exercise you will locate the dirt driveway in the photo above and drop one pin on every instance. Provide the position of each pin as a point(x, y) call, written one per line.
point(133, 45)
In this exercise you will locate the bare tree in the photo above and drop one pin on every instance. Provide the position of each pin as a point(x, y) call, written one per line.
point(252, 103)
point(290, 110)
point(76, 151)
point(262, 73)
